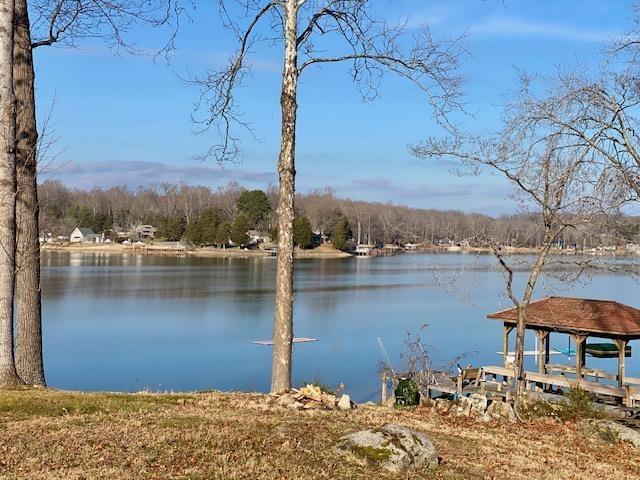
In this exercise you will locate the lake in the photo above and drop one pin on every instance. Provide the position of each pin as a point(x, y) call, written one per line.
point(124, 322)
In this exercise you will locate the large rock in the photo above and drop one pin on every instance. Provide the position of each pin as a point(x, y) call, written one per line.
point(611, 431)
point(501, 410)
point(478, 403)
point(392, 447)
point(475, 404)
point(344, 403)
point(463, 407)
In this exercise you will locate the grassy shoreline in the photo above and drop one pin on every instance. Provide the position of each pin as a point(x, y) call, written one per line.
point(47, 434)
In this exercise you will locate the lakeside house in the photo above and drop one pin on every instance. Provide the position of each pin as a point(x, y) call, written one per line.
point(85, 235)
point(256, 237)
point(144, 232)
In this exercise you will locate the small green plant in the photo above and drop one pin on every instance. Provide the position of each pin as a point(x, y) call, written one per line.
point(579, 404)
point(407, 393)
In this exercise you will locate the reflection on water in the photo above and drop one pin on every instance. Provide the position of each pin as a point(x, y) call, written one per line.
point(129, 322)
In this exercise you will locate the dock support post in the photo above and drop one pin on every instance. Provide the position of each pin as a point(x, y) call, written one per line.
point(622, 346)
point(547, 349)
point(580, 354)
point(543, 341)
point(505, 343)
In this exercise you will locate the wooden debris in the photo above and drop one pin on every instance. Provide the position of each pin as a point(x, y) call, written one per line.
point(310, 397)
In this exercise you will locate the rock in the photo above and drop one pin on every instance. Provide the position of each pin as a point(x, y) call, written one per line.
point(296, 405)
point(484, 418)
point(390, 402)
point(501, 410)
point(463, 408)
point(611, 431)
point(392, 447)
point(478, 403)
point(442, 405)
point(286, 399)
point(344, 403)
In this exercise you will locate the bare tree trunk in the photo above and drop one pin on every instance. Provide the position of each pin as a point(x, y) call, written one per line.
point(8, 375)
point(29, 362)
point(522, 318)
point(283, 324)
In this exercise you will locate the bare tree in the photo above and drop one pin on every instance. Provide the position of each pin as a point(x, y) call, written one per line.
point(555, 180)
point(8, 374)
point(58, 21)
point(601, 116)
point(305, 29)
point(29, 361)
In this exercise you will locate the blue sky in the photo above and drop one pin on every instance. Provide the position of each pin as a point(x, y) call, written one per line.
point(122, 119)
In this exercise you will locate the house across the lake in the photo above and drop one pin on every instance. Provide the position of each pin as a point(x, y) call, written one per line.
point(85, 235)
point(144, 232)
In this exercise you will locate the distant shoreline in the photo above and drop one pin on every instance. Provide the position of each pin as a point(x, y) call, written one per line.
point(323, 251)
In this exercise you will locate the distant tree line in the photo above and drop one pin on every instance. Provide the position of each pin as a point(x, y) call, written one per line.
point(205, 216)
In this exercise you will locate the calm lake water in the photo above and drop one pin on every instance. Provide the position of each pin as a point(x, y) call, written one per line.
point(131, 322)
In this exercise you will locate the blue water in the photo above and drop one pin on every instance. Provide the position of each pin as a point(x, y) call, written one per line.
point(121, 322)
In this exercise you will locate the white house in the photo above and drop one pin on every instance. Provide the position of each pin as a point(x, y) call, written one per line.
point(85, 235)
point(256, 237)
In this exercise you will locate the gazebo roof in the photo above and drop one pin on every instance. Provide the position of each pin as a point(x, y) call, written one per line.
point(604, 318)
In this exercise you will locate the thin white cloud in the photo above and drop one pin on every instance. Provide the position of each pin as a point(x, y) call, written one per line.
point(515, 26)
point(136, 173)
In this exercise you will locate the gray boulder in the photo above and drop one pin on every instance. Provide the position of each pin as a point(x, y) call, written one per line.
point(501, 410)
point(475, 404)
point(478, 403)
point(611, 431)
point(392, 447)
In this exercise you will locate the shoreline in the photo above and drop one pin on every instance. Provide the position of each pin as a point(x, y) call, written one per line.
point(212, 252)
point(323, 251)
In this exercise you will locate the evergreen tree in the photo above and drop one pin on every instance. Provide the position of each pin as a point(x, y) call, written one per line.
point(302, 234)
point(172, 228)
point(239, 230)
point(341, 233)
point(254, 204)
point(208, 226)
point(223, 233)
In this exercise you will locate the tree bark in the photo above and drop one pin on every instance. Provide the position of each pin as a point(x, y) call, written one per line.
point(283, 322)
point(522, 318)
point(29, 361)
point(8, 375)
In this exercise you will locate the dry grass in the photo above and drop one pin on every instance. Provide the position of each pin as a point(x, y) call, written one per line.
point(48, 434)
